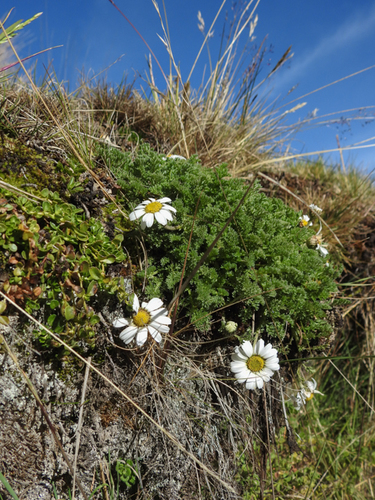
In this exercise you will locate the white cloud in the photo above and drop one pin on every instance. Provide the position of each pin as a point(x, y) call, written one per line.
point(350, 32)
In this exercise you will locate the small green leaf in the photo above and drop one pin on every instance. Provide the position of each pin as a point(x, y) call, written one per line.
point(47, 207)
point(108, 260)
point(3, 306)
point(54, 303)
point(51, 319)
point(84, 227)
point(92, 288)
point(18, 271)
point(69, 313)
point(118, 238)
point(94, 320)
point(84, 267)
point(4, 320)
point(12, 247)
point(95, 273)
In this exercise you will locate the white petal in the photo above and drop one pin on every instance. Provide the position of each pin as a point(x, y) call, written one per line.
point(272, 362)
point(310, 386)
point(120, 323)
point(250, 384)
point(168, 208)
point(163, 320)
point(166, 213)
point(160, 217)
point(265, 377)
point(176, 157)
point(153, 305)
point(246, 348)
point(160, 328)
point(137, 213)
point(148, 219)
point(155, 334)
point(267, 351)
point(128, 334)
point(238, 356)
point(314, 207)
point(272, 354)
point(141, 336)
point(259, 346)
point(323, 251)
point(241, 380)
point(267, 372)
point(237, 366)
point(164, 200)
point(273, 366)
point(244, 374)
point(259, 383)
point(135, 304)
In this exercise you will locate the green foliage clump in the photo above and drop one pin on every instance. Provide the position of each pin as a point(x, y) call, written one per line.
point(262, 263)
point(126, 472)
point(53, 257)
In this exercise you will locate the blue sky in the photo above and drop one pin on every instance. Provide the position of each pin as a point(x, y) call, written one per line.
point(330, 40)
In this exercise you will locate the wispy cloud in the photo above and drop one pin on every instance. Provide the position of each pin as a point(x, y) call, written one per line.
point(349, 32)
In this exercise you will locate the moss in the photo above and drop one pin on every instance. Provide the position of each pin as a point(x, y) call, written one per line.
point(22, 167)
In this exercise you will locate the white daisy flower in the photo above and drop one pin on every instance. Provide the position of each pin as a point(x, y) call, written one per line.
point(323, 251)
point(317, 242)
point(174, 157)
point(306, 394)
point(316, 208)
point(150, 318)
point(254, 365)
point(152, 209)
point(304, 221)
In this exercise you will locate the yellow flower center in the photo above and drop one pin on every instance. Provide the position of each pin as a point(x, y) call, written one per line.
point(153, 207)
point(255, 363)
point(142, 318)
point(303, 222)
point(309, 397)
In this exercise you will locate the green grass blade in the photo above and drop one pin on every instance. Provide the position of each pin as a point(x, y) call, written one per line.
point(8, 487)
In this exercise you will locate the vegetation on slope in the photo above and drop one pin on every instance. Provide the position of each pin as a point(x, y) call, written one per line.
point(71, 258)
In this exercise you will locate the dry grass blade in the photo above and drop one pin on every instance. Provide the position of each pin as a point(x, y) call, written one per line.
point(351, 385)
point(26, 194)
point(80, 422)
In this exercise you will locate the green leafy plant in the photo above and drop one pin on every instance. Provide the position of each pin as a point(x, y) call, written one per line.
point(263, 264)
point(126, 472)
point(55, 257)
